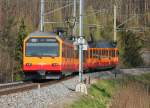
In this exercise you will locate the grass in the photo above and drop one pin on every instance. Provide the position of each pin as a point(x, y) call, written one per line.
point(143, 80)
point(135, 93)
point(99, 95)
point(127, 92)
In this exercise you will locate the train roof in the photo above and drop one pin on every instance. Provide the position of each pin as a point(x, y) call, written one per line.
point(38, 33)
point(102, 44)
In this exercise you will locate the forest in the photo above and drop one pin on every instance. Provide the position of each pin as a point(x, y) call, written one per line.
point(18, 18)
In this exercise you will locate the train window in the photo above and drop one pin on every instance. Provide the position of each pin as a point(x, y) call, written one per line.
point(63, 50)
point(113, 53)
point(77, 54)
point(97, 53)
point(103, 52)
point(84, 53)
point(110, 53)
point(40, 47)
point(91, 53)
point(66, 51)
point(117, 52)
point(33, 40)
point(71, 52)
point(68, 55)
point(100, 52)
point(84, 56)
point(106, 52)
point(94, 53)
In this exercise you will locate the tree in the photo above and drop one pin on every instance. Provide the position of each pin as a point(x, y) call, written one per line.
point(130, 47)
point(19, 42)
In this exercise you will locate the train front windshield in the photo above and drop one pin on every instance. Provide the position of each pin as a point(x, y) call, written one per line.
point(42, 47)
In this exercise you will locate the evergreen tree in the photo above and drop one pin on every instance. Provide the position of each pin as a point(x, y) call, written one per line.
point(19, 45)
point(130, 47)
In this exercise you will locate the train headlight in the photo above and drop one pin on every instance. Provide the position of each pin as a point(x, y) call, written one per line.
point(28, 64)
point(55, 64)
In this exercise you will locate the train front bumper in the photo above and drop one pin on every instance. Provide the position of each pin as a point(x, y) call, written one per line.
point(53, 67)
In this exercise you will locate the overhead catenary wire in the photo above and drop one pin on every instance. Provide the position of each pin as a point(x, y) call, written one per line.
point(50, 12)
point(101, 11)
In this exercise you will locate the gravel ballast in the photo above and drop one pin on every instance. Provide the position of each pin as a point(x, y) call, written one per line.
point(46, 96)
point(41, 97)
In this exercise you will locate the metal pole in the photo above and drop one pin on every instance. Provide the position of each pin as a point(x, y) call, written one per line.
point(115, 34)
point(42, 16)
point(80, 63)
point(74, 15)
point(81, 18)
point(81, 42)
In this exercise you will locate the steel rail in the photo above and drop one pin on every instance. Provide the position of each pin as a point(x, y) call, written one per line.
point(29, 86)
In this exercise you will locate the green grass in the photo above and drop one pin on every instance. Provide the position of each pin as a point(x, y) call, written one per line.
point(99, 95)
point(143, 79)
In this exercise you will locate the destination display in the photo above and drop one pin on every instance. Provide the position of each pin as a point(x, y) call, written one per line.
point(42, 40)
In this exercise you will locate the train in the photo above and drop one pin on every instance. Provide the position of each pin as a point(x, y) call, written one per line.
point(47, 55)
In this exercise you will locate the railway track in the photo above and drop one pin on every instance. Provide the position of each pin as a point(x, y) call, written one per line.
point(10, 88)
point(139, 67)
point(16, 87)
point(13, 84)
point(135, 71)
